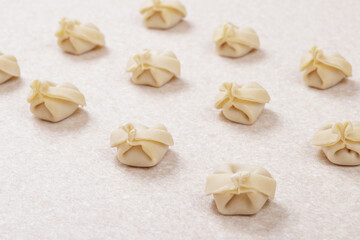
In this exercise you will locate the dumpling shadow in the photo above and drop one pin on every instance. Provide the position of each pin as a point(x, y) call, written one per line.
point(253, 56)
point(97, 52)
point(176, 84)
point(323, 159)
point(266, 121)
point(10, 85)
point(346, 88)
point(271, 216)
point(344, 168)
point(165, 167)
point(72, 123)
point(182, 27)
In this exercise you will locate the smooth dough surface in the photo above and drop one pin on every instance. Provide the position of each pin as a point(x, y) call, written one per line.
point(162, 14)
point(340, 142)
point(324, 71)
point(153, 68)
point(52, 102)
point(232, 41)
point(240, 189)
point(8, 67)
point(141, 146)
point(77, 38)
point(242, 103)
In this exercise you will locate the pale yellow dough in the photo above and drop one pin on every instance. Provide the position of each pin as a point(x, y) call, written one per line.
point(153, 68)
point(240, 189)
point(242, 103)
point(162, 14)
point(52, 102)
point(232, 41)
point(324, 71)
point(77, 38)
point(9, 67)
point(141, 146)
point(340, 142)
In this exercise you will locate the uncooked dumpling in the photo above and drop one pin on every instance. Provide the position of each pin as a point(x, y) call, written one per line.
point(9, 67)
point(242, 103)
point(162, 14)
point(77, 38)
point(240, 189)
point(54, 102)
point(153, 68)
point(232, 41)
point(141, 146)
point(324, 71)
point(340, 142)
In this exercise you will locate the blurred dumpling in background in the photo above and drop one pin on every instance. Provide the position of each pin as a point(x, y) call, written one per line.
point(77, 38)
point(162, 14)
point(9, 67)
point(232, 41)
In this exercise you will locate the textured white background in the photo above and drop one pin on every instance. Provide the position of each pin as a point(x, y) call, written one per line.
point(62, 181)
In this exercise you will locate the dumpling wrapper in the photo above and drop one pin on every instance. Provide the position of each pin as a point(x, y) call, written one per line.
point(232, 41)
point(9, 67)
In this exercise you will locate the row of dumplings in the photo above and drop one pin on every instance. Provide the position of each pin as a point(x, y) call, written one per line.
point(155, 68)
point(237, 189)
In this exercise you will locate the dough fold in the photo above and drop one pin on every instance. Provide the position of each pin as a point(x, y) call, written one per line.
point(141, 146)
point(9, 67)
point(162, 14)
point(241, 103)
point(52, 102)
point(240, 189)
point(153, 68)
point(324, 71)
point(232, 41)
point(77, 38)
point(340, 142)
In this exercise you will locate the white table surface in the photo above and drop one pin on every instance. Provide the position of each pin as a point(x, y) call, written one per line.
point(62, 181)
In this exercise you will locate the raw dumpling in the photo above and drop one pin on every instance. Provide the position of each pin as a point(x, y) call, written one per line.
point(242, 103)
point(162, 14)
point(232, 41)
point(52, 102)
point(154, 68)
point(141, 146)
point(324, 71)
point(8, 67)
point(240, 189)
point(340, 142)
point(77, 38)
